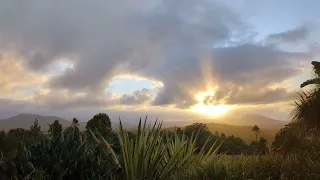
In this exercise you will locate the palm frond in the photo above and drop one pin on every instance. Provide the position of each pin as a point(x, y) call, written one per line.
point(315, 81)
point(306, 108)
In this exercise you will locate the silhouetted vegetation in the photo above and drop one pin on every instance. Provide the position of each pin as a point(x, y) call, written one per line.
point(149, 153)
point(192, 152)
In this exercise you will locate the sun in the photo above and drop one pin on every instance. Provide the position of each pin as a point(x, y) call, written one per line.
point(210, 109)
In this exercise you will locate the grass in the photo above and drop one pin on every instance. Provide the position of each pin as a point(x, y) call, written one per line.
point(292, 166)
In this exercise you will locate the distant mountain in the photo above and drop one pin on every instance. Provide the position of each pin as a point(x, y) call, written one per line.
point(24, 120)
point(251, 120)
point(237, 126)
point(126, 125)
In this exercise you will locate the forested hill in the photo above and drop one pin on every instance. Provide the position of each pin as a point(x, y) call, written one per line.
point(244, 132)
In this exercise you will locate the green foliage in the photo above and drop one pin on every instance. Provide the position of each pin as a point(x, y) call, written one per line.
point(272, 167)
point(12, 142)
point(55, 129)
point(303, 133)
point(306, 109)
point(295, 137)
point(256, 129)
point(35, 129)
point(101, 123)
point(259, 147)
point(153, 154)
point(65, 157)
point(202, 131)
point(306, 106)
point(233, 145)
point(229, 145)
point(2, 138)
point(148, 156)
point(316, 79)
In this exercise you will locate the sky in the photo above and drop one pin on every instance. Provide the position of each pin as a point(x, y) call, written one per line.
point(176, 60)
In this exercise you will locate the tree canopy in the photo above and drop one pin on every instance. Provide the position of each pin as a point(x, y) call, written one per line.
point(55, 128)
point(306, 106)
point(256, 129)
point(35, 128)
point(100, 122)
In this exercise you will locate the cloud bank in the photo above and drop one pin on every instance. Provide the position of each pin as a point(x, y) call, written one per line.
point(188, 46)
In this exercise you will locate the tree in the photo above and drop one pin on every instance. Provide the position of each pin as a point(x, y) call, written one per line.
point(2, 138)
point(100, 123)
point(201, 130)
point(179, 131)
point(73, 129)
point(306, 106)
point(233, 145)
point(256, 129)
point(259, 147)
point(223, 135)
point(16, 137)
point(35, 128)
point(198, 128)
point(294, 137)
point(316, 79)
point(55, 128)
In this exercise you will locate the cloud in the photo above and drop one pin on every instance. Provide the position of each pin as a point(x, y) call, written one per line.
point(259, 96)
point(298, 34)
point(14, 78)
point(108, 37)
point(188, 47)
point(64, 99)
point(137, 97)
point(302, 38)
point(235, 72)
point(9, 107)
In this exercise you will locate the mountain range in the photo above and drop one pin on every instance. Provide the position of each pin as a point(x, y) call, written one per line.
point(237, 126)
point(25, 120)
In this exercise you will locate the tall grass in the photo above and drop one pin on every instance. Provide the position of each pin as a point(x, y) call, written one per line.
point(154, 155)
point(271, 167)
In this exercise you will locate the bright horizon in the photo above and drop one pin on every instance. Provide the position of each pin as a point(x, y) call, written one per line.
point(174, 60)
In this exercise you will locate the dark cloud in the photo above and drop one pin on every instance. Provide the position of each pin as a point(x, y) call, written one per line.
point(137, 97)
point(253, 95)
point(68, 100)
point(235, 70)
point(170, 41)
point(108, 37)
point(298, 34)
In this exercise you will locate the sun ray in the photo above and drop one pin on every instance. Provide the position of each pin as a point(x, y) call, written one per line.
point(209, 109)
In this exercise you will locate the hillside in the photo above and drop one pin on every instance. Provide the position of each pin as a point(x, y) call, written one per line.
point(24, 120)
point(244, 132)
point(230, 126)
point(240, 126)
point(251, 120)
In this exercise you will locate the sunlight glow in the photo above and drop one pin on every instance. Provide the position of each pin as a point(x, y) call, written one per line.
point(210, 109)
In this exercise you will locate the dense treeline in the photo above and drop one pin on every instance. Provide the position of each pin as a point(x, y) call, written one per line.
point(102, 153)
point(16, 139)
